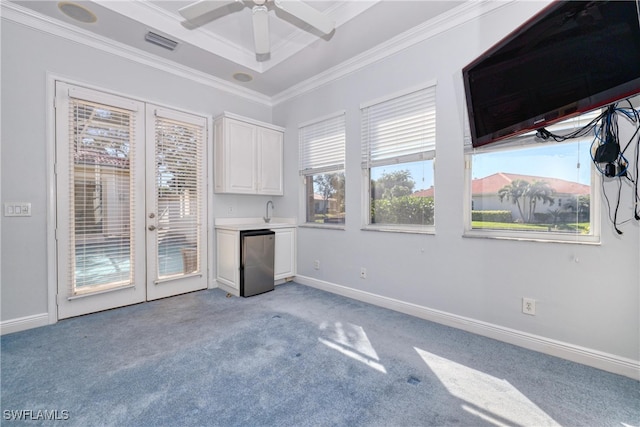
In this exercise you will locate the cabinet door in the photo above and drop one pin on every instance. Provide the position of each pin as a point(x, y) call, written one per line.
point(270, 146)
point(285, 253)
point(241, 162)
point(228, 258)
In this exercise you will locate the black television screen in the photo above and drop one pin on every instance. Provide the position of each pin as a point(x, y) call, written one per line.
point(571, 57)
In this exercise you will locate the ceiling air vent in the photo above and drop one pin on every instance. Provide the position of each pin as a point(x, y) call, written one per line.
point(161, 41)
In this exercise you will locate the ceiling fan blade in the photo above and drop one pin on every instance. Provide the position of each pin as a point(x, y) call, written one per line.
point(261, 29)
point(202, 7)
point(307, 14)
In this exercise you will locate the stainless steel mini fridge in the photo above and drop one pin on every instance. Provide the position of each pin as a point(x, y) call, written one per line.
point(257, 251)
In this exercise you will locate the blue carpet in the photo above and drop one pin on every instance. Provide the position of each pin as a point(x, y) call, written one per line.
point(296, 356)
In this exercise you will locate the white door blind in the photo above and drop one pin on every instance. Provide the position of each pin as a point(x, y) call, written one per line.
point(179, 179)
point(322, 145)
point(400, 129)
point(102, 203)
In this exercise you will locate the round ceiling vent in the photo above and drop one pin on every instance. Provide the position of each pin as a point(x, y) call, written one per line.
point(243, 77)
point(77, 12)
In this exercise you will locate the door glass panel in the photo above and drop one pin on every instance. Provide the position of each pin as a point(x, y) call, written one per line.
point(101, 206)
point(178, 178)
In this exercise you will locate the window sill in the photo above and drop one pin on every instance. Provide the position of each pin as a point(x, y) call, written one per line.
point(322, 226)
point(400, 229)
point(552, 238)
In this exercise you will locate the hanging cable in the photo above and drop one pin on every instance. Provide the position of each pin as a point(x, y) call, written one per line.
point(609, 159)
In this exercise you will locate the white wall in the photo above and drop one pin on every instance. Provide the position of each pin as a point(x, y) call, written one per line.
point(28, 57)
point(588, 295)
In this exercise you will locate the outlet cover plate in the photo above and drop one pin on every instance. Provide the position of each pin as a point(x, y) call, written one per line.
point(529, 306)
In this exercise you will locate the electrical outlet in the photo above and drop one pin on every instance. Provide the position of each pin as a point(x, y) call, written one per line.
point(363, 273)
point(529, 306)
point(316, 264)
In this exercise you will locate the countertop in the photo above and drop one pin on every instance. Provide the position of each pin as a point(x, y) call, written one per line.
point(239, 224)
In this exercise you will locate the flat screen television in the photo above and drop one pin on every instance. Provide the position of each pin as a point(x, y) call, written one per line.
point(571, 57)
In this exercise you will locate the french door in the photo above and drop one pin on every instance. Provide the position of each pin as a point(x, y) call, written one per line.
point(130, 200)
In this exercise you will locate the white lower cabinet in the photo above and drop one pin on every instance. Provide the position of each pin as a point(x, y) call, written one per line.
point(228, 260)
point(228, 257)
point(285, 257)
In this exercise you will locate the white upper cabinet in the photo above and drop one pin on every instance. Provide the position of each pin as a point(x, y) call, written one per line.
point(248, 156)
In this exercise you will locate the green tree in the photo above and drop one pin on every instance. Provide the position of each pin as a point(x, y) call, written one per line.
point(330, 185)
point(524, 194)
point(515, 192)
point(580, 204)
point(393, 184)
point(403, 210)
point(538, 191)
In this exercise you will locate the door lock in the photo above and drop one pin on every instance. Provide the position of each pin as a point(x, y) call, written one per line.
point(152, 227)
point(152, 215)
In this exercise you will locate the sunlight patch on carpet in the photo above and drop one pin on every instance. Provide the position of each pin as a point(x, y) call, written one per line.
point(352, 341)
point(492, 399)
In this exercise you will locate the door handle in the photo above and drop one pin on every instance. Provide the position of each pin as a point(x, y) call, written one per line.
point(152, 227)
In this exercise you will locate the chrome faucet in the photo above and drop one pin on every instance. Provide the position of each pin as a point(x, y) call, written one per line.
point(268, 218)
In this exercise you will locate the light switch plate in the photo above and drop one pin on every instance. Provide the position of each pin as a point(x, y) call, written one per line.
point(17, 209)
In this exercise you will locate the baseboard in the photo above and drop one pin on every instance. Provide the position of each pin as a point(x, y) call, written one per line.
point(23, 323)
point(594, 358)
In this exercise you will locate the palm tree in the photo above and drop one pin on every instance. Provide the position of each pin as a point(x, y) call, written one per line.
point(580, 204)
point(515, 192)
point(539, 190)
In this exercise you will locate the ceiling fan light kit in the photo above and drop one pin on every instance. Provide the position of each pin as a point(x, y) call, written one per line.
point(261, 29)
point(260, 17)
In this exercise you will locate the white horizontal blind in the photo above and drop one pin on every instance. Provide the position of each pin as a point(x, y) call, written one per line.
point(179, 180)
point(563, 127)
point(102, 203)
point(322, 145)
point(400, 129)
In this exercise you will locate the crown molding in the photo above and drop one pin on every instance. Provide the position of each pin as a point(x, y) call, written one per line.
point(444, 22)
point(28, 18)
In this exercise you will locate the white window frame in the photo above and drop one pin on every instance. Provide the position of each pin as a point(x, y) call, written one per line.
point(527, 140)
point(426, 153)
point(331, 162)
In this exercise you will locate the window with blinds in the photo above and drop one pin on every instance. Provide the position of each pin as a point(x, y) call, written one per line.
point(179, 146)
point(101, 197)
point(321, 164)
point(398, 151)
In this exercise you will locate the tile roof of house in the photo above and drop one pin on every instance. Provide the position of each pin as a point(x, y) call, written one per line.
point(493, 183)
point(87, 157)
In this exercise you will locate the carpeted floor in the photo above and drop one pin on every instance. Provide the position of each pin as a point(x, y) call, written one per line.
point(293, 357)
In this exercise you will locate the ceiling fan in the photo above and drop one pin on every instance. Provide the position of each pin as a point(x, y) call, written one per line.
point(204, 8)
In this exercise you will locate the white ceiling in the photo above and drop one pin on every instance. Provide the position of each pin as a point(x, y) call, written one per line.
point(224, 46)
